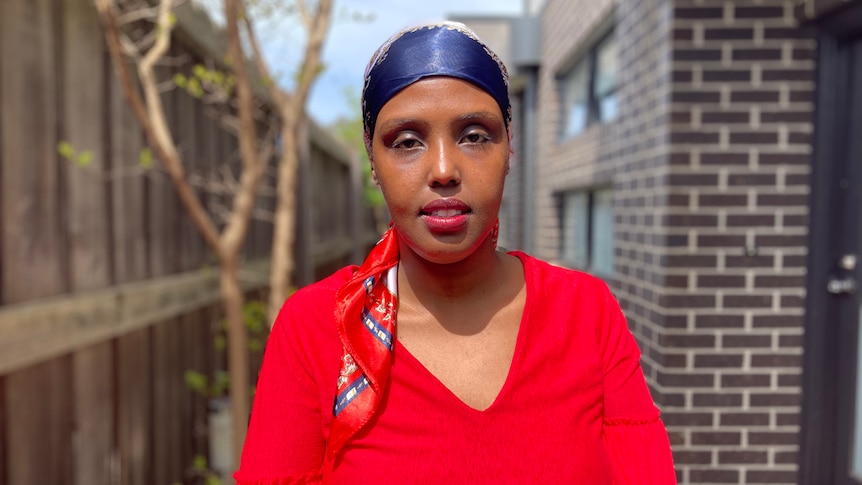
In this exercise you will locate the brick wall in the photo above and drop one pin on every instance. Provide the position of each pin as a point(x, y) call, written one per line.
point(736, 223)
point(709, 160)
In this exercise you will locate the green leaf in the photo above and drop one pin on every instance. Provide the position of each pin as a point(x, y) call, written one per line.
point(84, 158)
point(220, 342)
point(213, 480)
point(222, 383)
point(199, 463)
point(66, 150)
point(180, 80)
point(196, 381)
point(200, 71)
point(145, 159)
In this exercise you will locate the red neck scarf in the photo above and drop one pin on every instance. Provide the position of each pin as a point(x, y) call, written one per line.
point(365, 316)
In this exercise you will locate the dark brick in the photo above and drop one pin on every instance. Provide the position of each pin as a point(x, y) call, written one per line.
point(799, 138)
point(687, 301)
point(796, 220)
point(694, 137)
point(747, 54)
point(751, 220)
point(758, 12)
point(792, 301)
point(787, 75)
point(676, 281)
point(716, 438)
point(720, 281)
point(779, 281)
point(776, 321)
point(795, 261)
point(696, 97)
point(717, 399)
point(744, 419)
point(782, 200)
point(786, 458)
point(675, 360)
point(681, 76)
point(789, 380)
point(791, 341)
point(754, 96)
point(746, 341)
point(697, 54)
point(754, 138)
point(724, 159)
point(712, 117)
point(686, 341)
point(776, 360)
point(765, 261)
point(787, 419)
point(720, 240)
point(709, 475)
point(688, 457)
point(789, 241)
point(804, 54)
point(745, 380)
point(690, 261)
point(733, 457)
point(786, 117)
point(784, 159)
point(751, 179)
point(680, 158)
point(747, 301)
point(673, 418)
point(728, 34)
point(722, 320)
point(692, 179)
point(797, 179)
point(801, 96)
point(727, 75)
point(683, 34)
point(770, 476)
point(774, 399)
point(685, 379)
point(772, 438)
point(691, 220)
point(680, 117)
point(698, 13)
point(717, 360)
point(785, 33)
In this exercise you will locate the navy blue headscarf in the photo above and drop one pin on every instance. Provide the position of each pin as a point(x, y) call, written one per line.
point(444, 49)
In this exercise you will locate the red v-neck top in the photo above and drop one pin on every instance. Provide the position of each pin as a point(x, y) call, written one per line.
point(574, 408)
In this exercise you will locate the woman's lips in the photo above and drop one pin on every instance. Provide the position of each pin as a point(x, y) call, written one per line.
point(445, 215)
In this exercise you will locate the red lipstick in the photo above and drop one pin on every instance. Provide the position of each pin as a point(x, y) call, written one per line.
point(445, 215)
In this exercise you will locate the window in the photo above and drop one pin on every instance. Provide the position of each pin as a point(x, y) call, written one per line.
point(588, 229)
point(589, 88)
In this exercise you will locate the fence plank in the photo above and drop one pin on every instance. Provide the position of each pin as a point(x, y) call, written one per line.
point(30, 231)
point(168, 462)
point(134, 409)
point(82, 127)
point(40, 424)
point(94, 412)
point(4, 433)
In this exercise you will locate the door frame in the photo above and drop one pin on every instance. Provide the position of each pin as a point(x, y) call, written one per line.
point(831, 321)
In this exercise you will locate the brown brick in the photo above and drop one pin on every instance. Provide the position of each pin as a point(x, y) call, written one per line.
point(786, 457)
point(746, 340)
point(745, 380)
point(680, 158)
point(791, 341)
point(680, 117)
point(785, 33)
point(799, 138)
point(716, 399)
point(723, 320)
point(709, 475)
point(801, 96)
point(785, 117)
point(804, 54)
point(747, 301)
point(690, 261)
point(683, 34)
point(794, 179)
point(770, 476)
point(744, 419)
point(692, 179)
point(782, 200)
point(762, 261)
point(751, 220)
point(780, 281)
point(796, 220)
point(789, 380)
point(746, 179)
point(717, 360)
point(676, 281)
point(687, 301)
point(691, 220)
point(772, 438)
point(694, 137)
point(776, 360)
point(784, 159)
point(697, 54)
point(787, 419)
point(720, 240)
point(696, 96)
point(716, 438)
point(787, 75)
point(792, 301)
point(776, 321)
point(734, 457)
point(720, 281)
point(795, 261)
point(758, 12)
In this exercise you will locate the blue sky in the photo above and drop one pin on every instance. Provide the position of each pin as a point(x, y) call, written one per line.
point(351, 43)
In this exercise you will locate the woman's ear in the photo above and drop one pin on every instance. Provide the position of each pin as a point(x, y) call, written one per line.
point(374, 174)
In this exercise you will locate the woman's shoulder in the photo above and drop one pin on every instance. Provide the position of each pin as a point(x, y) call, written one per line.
point(552, 277)
point(312, 305)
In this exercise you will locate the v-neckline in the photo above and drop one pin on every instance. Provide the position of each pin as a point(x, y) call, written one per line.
point(401, 352)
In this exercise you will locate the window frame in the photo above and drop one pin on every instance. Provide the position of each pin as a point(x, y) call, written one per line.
point(591, 192)
point(590, 56)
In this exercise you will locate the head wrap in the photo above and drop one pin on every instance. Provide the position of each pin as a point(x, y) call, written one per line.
point(444, 49)
point(367, 305)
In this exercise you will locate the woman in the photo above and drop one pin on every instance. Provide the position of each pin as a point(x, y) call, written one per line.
point(501, 368)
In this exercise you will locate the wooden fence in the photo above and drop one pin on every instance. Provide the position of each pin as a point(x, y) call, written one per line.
point(107, 293)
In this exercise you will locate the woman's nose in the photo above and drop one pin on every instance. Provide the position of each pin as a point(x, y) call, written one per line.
point(444, 167)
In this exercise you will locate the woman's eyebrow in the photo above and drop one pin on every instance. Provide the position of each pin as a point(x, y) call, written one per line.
point(485, 116)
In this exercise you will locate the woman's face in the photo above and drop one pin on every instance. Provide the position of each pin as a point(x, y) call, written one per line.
point(440, 155)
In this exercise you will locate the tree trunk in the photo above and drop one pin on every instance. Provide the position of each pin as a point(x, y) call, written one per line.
point(238, 368)
point(284, 232)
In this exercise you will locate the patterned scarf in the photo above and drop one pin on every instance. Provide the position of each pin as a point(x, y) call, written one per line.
point(368, 345)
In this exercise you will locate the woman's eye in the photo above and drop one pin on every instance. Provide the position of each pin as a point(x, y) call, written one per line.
point(406, 141)
point(476, 137)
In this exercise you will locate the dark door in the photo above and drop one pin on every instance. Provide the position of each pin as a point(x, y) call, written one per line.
point(831, 448)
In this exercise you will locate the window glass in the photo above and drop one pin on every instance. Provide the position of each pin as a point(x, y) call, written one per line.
point(602, 234)
point(607, 67)
point(576, 228)
point(575, 94)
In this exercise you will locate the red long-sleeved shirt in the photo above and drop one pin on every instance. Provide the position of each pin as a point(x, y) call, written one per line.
point(574, 408)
